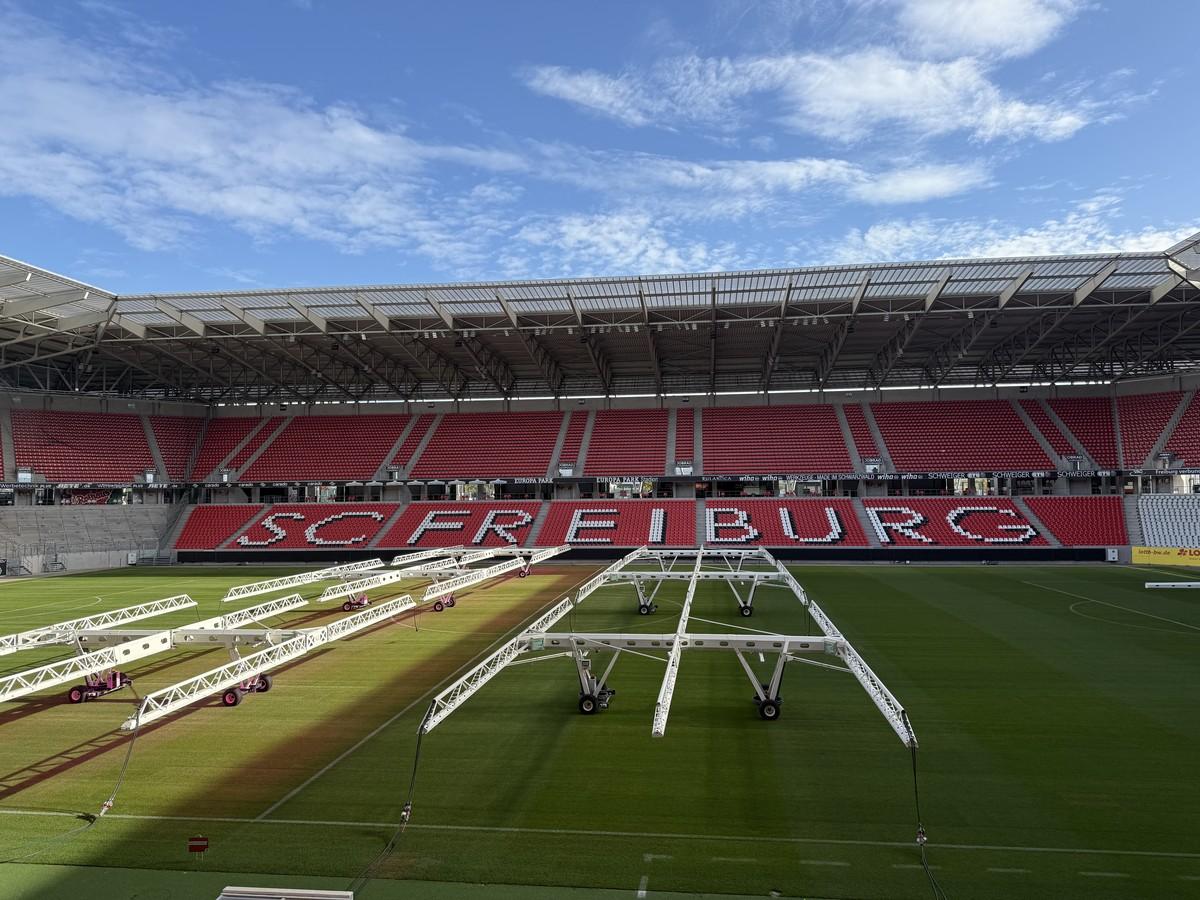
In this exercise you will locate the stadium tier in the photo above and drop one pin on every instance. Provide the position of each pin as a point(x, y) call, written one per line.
point(1090, 419)
point(78, 446)
point(783, 523)
point(176, 438)
point(1143, 419)
point(1051, 432)
point(951, 436)
point(1185, 439)
point(1170, 520)
point(620, 523)
point(628, 442)
point(949, 522)
point(471, 524)
point(910, 522)
point(860, 431)
point(309, 525)
point(221, 438)
point(334, 448)
point(958, 436)
point(745, 440)
point(1082, 521)
point(490, 445)
point(210, 526)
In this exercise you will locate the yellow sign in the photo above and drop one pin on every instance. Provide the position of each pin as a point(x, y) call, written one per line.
point(1168, 556)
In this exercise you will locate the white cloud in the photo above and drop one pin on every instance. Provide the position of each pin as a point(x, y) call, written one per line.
point(841, 97)
point(1093, 225)
point(948, 28)
point(608, 243)
point(107, 138)
point(918, 184)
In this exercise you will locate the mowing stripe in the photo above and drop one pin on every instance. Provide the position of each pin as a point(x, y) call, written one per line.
point(375, 733)
point(1104, 874)
point(582, 832)
point(1010, 871)
point(641, 891)
point(823, 862)
point(1113, 605)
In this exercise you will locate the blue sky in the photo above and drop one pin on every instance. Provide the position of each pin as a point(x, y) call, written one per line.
point(168, 147)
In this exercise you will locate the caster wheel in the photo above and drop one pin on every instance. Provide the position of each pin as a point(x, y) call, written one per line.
point(747, 611)
point(769, 710)
point(75, 695)
point(346, 606)
point(450, 601)
point(588, 704)
point(264, 684)
point(231, 697)
point(644, 610)
point(523, 574)
point(438, 606)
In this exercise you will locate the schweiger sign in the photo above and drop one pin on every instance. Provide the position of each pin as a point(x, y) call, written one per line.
point(1172, 556)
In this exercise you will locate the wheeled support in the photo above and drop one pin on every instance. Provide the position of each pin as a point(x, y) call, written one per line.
point(766, 696)
point(594, 693)
point(444, 603)
point(256, 684)
point(646, 604)
point(98, 684)
point(745, 604)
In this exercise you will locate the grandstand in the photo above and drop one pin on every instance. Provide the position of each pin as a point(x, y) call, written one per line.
point(873, 410)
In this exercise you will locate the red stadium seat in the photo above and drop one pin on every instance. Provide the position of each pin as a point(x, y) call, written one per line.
point(333, 448)
point(78, 446)
point(176, 438)
point(1082, 521)
point(765, 440)
point(208, 527)
point(958, 436)
point(490, 445)
point(950, 522)
point(471, 523)
point(316, 526)
point(1091, 421)
point(620, 523)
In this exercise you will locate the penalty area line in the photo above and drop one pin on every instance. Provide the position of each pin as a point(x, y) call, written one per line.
point(593, 833)
point(1113, 605)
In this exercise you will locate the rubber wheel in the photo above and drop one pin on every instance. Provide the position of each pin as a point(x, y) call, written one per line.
point(450, 601)
point(644, 610)
point(588, 705)
point(523, 574)
point(769, 710)
point(438, 606)
point(231, 697)
point(346, 606)
point(747, 611)
point(75, 695)
point(264, 684)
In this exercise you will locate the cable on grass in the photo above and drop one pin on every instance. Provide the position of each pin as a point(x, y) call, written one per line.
point(922, 839)
point(370, 869)
point(90, 819)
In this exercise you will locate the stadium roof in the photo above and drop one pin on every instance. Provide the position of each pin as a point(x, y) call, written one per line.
point(1052, 319)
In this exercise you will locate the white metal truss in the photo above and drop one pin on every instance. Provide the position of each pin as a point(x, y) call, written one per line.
point(405, 558)
point(662, 707)
point(444, 588)
point(119, 647)
point(171, 699)
point(1168, 585)
point(465, 687)
point(255, 588)
point(594, 689)
point(64, 632)
point(62, 671)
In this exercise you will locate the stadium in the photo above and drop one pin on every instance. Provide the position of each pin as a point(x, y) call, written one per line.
point(952, 481)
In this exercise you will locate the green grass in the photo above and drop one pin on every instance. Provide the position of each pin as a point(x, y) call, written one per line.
point(1058, 738)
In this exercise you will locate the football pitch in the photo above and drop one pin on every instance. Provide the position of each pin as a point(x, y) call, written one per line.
point(1055, 708)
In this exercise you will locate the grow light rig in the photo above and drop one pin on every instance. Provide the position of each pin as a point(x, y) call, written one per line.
point(745, 571)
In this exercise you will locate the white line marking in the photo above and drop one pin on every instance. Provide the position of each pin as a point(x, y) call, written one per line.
point(1113, 605)
point(823, 862)
point(911, 866)
point(1104, 874)
point(735, 859)
point(651, 857)
point(641, 891)
point(1010, 871)
point(580, 832)
point(1189, 877)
